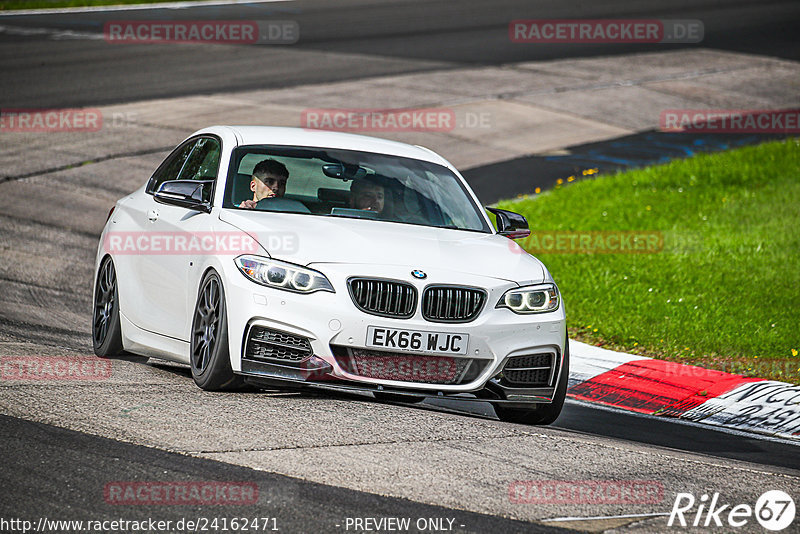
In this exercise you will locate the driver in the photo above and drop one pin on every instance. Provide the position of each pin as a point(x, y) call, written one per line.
point(366, 194)
point(268, 181)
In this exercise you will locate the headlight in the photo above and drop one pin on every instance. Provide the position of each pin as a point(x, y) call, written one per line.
point(531, 299)
point(282, 275)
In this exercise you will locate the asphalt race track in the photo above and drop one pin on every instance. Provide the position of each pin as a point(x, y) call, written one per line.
point(354, 39)
point(317, 459)
point(67, 459)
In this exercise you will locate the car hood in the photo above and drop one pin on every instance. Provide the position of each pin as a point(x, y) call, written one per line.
point(308, 239)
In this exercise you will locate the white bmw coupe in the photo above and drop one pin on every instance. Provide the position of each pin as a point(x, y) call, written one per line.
point(289, 257)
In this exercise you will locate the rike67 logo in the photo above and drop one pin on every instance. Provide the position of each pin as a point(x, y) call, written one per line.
point(774, 510)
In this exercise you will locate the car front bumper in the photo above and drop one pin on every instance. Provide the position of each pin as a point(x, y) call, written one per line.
point(334, 326)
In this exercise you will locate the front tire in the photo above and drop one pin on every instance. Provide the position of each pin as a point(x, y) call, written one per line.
point(541, 414)
point(210, 358)
point(106, 329)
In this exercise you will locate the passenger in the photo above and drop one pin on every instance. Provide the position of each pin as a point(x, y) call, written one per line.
point(268, 181)
point(367, 194)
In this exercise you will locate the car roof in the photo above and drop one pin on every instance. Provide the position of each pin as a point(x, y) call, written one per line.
point(275, 135)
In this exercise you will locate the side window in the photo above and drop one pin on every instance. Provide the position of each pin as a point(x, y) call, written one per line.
point(203, 161)
point(172, 166)
point(197, 159)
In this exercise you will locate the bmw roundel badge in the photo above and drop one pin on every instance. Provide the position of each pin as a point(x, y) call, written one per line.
point(416, 273)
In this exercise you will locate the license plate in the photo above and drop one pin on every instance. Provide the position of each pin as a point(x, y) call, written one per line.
point(417, 341)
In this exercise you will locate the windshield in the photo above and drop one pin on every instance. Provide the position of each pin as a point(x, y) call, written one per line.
point(347, 183)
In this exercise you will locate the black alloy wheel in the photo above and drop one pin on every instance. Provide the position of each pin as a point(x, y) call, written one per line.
point(106, 329)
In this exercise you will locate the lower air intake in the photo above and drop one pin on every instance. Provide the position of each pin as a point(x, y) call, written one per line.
point(535, 370)
point(264, 344)
point(403, 367)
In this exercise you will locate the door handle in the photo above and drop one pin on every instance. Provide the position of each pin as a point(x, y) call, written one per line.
point(152, 215)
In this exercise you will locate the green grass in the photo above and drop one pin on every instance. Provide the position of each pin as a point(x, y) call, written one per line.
point(723, 293)
point(43, 4)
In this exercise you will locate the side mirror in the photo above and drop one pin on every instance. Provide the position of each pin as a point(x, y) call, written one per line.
point(192, 194)
point(510, 224)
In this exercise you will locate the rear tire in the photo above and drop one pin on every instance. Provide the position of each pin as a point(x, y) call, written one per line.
point(209, 354)
point(106, 329)
point(541, 414)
